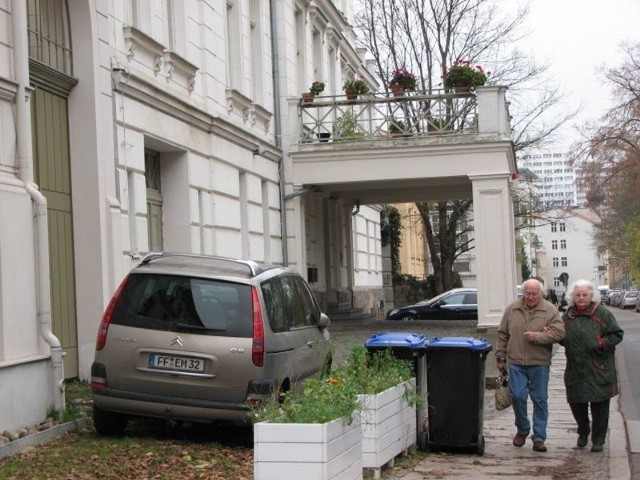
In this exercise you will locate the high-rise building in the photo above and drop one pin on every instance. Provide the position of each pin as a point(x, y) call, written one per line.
point(555, 178)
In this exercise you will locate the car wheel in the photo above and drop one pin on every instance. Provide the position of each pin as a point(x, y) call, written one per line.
point(107, 423)
point(408, 317)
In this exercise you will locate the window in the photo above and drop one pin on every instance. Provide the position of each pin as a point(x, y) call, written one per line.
point(555, 261)
point(563, 244)
point(554, 227)
point(556, 282)
point(563, 227)
point(49, 34)
point(564, 261)
point(554, 244)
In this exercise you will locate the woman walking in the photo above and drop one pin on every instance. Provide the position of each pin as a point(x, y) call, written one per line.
point(590, 377)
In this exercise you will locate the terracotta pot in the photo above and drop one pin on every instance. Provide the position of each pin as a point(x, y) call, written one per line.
point(397, 90)
point(351, 95)
point(307, 97)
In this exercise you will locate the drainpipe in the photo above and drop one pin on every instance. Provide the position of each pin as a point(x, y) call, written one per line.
point(25, 172)
point(278, 129)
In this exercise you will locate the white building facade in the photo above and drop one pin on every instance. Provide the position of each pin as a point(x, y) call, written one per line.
point(132, 126)
point(566, 246)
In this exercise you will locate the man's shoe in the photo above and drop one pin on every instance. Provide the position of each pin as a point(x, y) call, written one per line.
point(582, 441)
point(597, 447)
point(520, 439)
point(538, 446)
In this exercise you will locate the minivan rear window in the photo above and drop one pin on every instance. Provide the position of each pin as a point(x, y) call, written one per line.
point(185, 304)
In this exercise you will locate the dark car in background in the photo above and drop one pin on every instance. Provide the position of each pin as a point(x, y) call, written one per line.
point(455, 304)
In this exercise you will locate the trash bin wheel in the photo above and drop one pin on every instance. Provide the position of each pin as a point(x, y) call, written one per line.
point(480, 444)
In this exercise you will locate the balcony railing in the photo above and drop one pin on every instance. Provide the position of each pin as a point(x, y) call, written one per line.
point(382, 116)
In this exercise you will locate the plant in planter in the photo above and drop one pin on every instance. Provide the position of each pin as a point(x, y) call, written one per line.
point(346, 127)
point(354, 87)
point(316, 88)
point(463, 76)
point(402, 80)
point(388, 399)
point(310, 434)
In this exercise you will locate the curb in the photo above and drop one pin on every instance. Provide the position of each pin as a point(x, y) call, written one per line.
point(42, 437)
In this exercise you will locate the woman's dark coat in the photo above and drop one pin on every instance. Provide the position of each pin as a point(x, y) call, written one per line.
point(590, 341)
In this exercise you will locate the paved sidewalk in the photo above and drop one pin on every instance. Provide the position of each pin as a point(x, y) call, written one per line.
point(563, 461)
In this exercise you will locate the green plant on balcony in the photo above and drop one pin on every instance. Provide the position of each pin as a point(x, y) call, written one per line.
point(346, 126)
point(398, 127)
point(463, 75)
point(355, 87)
point(317, 87)
point(402, 78)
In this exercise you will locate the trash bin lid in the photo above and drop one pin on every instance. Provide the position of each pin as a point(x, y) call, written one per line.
point(412, 341)
point(459, 342)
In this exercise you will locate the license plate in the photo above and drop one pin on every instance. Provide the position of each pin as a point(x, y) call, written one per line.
point(172, 362)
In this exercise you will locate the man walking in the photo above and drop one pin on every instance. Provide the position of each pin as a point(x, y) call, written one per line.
point(527, 331)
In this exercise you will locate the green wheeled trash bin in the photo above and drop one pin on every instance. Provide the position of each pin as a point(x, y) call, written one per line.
point(408, 346)
point(456, 386)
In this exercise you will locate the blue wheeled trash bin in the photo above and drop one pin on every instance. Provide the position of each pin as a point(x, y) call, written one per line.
point(456, 386)
point(407, 346)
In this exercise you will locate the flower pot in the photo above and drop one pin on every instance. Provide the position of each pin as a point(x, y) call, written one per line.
point(319, 451)
point(462, 89)
point(397, 90)
point(307, 97)
point(388, 425)
point(324, 136)
point(351, 95)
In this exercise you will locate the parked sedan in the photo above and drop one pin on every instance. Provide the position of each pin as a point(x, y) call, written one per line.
point(456, 304)
point(630, 299)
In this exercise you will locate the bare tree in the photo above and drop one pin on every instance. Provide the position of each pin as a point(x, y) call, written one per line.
point(427, 37)
point(608, 156)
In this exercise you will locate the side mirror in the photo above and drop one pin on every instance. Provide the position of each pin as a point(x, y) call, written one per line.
point(324, 321)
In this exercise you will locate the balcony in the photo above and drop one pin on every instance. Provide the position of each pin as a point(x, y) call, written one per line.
point(384, 148)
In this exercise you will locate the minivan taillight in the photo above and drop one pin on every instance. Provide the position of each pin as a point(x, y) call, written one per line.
point(106, 318)
point(257, 347)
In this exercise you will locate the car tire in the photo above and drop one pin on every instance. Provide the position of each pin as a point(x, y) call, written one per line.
point(408, 317)
point(108, 423)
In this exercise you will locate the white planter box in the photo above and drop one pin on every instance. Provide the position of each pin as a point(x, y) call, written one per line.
point(308, 451)
point(388, 426)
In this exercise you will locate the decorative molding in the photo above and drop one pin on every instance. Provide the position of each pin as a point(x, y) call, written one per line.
point(8, 89)
point(50, 79)
point(175, 64)
point(135, 41)
point(237, 102)
point(262, 115)
point(139, 89)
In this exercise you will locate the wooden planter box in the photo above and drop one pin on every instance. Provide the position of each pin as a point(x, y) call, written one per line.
point(388, 426)
point(306, 451)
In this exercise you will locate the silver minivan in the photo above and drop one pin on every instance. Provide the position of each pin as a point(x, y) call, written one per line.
point(200, 338)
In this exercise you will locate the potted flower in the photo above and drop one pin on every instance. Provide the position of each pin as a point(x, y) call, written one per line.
point(398, 127)
point(354, 87)
point(462, 76)
point(316, 88)
point(402, 80)
point(313, 433)
point(346, 127)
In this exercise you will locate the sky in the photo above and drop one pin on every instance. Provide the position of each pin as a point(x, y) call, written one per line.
point(574, 37)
